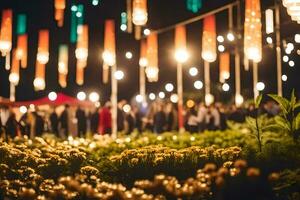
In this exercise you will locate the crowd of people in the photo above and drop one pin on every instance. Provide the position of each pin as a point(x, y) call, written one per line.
point(157, 117)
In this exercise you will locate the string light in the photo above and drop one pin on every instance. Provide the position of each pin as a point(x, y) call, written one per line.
point(230, 37)
point(139, 98)
point(152, 96)
point(285, 58)
point(128, 55)
point(220, 38)
point(198, 85)
point(119, 75)
point(94, 97)
point(81, 96)
point(260, 86)
point(169, 87)
point(161, 95)
point(174, 98)
point(297, 38)
point(221, 48)
point(291, 63)
point(269, 40)
point(284, 77)
point(193, 71)
point(146, 32)
point(225, 87)
point(52, 96)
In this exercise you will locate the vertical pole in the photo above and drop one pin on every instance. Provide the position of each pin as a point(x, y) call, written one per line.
point(143, 83)
point(180, 97)
point(129, 16)
point(237, 56)
point(12, 96)
point(278, 50)
point(7, 61)
point(206, 77)
point(255, 80)
point(114, 100)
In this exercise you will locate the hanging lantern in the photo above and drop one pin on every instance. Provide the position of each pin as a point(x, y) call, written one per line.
point(63, 65)
point(73, 29)
point(21, 51)
point(81, 51)
point(14, 75)
point(60, 6)
point(143, 62)
point(43, 47)
point(209, 46)
point(152, 57)
point(194, 5)
point(109, 54)
point(6, 36)
point(293, 9)
point(181, 54)
point(79, 75)
point(39, 81)
point(224, 66)
point(139, 12)
point(269, 21)
point(21, 24)
point(252, 34)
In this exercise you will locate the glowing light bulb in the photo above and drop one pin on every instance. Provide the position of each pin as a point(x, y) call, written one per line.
point(225, 87)
point(119, 75)
point(81, 96)
point(221, 48)
point(161, 95)
point(152, 96)
point(198, 85)
point(94, 97)
point(139, 98)
point(147, 31)
point(128, 55)
point(230, 37)
point(260, 86)
point(193, 71)
point(284, 77)
point(52, 96)
point(220, 38)
point(181, 55)
point(174, 98)
point(169, 87)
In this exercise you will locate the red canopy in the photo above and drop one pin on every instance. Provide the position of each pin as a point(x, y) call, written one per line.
point(60, 100)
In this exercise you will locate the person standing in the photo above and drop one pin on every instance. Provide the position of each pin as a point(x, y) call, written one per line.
point(81, 122)
point(54, 122)
point(11, 125)
point(192, 121)
point(94, 121)
point(159, 120)
point(202, 112)
point(105, 119)
point(64, 121)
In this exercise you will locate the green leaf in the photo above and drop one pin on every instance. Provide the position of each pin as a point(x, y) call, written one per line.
point(293, 100)
point(297, 120)
point(283, 123)
point(297, 105)
point(258, 101)
point(283, 102)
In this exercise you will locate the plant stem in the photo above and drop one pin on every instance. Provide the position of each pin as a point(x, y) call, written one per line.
point(258, 133)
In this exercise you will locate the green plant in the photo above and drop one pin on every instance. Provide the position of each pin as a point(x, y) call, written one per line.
point(257, 125)
point(288, 120)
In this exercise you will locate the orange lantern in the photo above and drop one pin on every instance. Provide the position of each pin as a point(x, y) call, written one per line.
point(43, 47)
point(6, 32)
point(62, 80)
point(209, 46)
point(253, 31)
point(21, 52)
point(81, 51)
point(139, 12)
point(39, 81)
point(143, 62)
point(152, 57)
point(63, 65)
point(224, 66)
point(14, 75)
point(181, 54)
point(109, 53)
point(79, 75)
point(60, 6)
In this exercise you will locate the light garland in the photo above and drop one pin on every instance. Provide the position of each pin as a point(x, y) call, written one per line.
point(293, 9)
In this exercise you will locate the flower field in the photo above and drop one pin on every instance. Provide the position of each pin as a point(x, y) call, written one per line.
point(213, 165)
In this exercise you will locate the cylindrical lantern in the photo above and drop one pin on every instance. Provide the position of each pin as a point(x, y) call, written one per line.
point(62, 80)
point(139, 12)
point(81, 51)
point(21, 24)
point(143, 62)
point(60, 6)
point(14, 75)
point(129, 15)
point(252, 31)
point(6, 32)
point(293, 9)
point(224, 66)
point(21, 51)
point(109, 54)
point(43, 47)
point(181, 54)
point(152, 57)
point(39, 81)
point(269, 21)
point(209, 46)
point(79, 75)
point(63, 65)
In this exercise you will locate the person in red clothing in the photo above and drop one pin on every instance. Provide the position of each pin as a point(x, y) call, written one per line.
point(105, 119)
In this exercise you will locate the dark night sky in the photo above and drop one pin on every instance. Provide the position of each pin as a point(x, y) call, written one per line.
point(161, 13)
